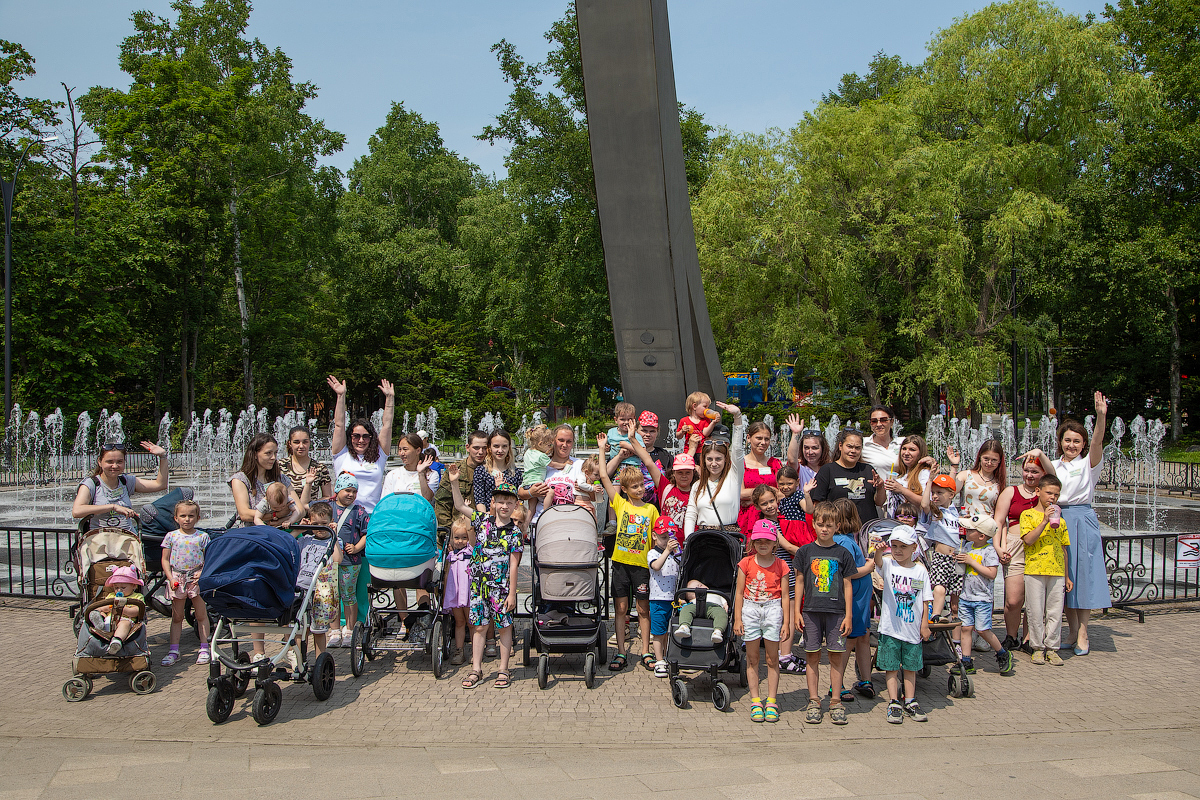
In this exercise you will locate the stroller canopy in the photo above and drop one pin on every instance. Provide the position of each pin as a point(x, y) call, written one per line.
point(711, 557)
point(402, 532)
point(565, 554)
point(250, 573)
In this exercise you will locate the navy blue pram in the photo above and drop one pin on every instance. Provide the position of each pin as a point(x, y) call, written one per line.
point(250, 573)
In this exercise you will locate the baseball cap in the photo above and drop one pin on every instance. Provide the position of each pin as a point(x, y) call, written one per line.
point(424, 435)
point(665, 524)
point(764, 529)
point(719, 435)
point(980, 522)
point(683, 461)
point(505, 488)
point(648, 418)
point(903, 534)
point(946, 482)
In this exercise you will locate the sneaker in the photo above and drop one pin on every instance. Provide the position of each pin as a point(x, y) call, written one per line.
point(1053, 658)
point(837, 714)
point(170, 658)
point(1026, 647)
point(334, 638)
point(401, 631)
point(1038, 657)
point(204, 656)
point(1010, 643)
point(895, 713)
point(259, 657)
point(490, 650)
point(913, 709)
point(115, 646)
point(1004, 662)
point(717, 636)
point(813, 714)
point(684, 631)
point(660, 669)
point(969, 663)
point(793, 666)
point(98, 620)
point(292, 660)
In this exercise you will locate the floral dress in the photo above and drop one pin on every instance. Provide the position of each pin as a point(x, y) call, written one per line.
point(980, 497)
point(494, 544)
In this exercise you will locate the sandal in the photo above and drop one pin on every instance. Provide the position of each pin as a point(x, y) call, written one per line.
point(618, 663)
point(845, 695)
point(756, 710)
point(472, 680)
point(837, 714)
point(865, 688)
point(648, 661)
point(793, 666)
point(813, 715)
point(503, 680)
point(771, 712)
point(170, 658)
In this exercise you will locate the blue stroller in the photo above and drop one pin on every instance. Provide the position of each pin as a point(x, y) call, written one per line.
point(402, 554)
point(249, 586)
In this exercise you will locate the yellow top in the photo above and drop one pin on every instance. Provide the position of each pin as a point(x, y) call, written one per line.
point(1045, 556)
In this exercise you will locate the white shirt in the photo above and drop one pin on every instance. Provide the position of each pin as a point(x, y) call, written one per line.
point(663, 582)
point(573, 474)
point(369, 475)
point(403, 479)
point(1079, 479)
point(906, 590)
point(883, 459)
point(709, 508)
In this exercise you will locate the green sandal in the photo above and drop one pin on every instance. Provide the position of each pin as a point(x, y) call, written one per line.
point(772, 711)
point(756, 710)
point(618, 663)
point(648, 661)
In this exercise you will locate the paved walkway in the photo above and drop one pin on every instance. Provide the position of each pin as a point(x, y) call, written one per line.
point(1120, 722)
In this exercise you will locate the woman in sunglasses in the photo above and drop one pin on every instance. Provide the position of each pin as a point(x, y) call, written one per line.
point(363, 453)
point(107, 496)
point(716, 495)
point(807, 451)
point(881, 450)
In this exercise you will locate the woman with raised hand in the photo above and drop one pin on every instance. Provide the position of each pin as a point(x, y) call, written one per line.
point(716, 495)
point(1078, 466)
point(414, 473)
point(364, 452)
point(107, 496)
point(303, 470)
point(807, 451)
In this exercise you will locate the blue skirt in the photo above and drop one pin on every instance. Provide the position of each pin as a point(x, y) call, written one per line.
point(1085, 559)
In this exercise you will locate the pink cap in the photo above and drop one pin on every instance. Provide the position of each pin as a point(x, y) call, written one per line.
point(764, 529)
point(648, 418)
point(684, 461)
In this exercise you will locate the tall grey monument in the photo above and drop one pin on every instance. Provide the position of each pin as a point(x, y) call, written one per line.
point(660, 318)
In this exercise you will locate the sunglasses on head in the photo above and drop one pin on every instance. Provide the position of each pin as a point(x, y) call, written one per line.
point(810, 432)
point(110, 446)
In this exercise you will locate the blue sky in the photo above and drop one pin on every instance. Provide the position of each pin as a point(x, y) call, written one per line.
point(747, 65)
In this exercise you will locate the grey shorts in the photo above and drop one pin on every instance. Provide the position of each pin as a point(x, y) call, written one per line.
point(823, 629)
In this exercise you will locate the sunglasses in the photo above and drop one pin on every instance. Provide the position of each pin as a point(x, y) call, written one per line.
point(810, 432)
point(881, 420)
point(108, 447)
point(360, 436)
point(905, 516)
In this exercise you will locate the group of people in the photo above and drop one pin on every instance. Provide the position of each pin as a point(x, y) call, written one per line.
point(808, 568)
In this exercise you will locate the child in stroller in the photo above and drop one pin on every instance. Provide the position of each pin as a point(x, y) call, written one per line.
point(119, 615)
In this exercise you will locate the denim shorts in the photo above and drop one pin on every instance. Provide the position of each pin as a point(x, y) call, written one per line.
point(762, 619)
point(976, 614)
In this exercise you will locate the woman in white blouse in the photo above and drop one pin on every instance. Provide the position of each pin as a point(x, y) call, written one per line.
point(716, 494)
point(1078, 467)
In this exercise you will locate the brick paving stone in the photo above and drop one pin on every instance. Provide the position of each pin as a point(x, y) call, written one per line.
point(1113, 724)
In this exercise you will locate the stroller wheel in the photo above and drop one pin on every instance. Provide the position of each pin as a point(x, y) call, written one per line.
point(953, 687)
point(926, 671)
point(220, 702)
point(239, 680)
point(143, 682)
point(77, 623)
point(267, 700)
point(76, 689)
point(543, 671)
point(324, 675)
point(743, 678)
point(721, 696)
point(358, 650)
point(679, 693)
point(589, 670)
point(438, 650)
point(968, 686)
point(527, 647)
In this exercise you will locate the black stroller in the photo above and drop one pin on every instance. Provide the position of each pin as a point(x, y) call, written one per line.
point(710, 556)
point(566, 561)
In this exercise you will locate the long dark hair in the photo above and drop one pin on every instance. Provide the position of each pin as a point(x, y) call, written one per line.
point(250, 461)
point(843, 435)
point(823, 458)
point(492, 467)
point(1001, 474)
point(371, 453)
point(415, 443)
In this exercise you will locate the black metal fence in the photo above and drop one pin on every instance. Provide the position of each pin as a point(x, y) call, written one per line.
point(1143, 570)
point(1171, 476)
point(41, 470)
point(38, 563)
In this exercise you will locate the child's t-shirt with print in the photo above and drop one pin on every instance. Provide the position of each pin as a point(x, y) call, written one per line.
point(673, 503)
point(1045, 556)
point(824, 569)
point(944, 530)
point(352, 530)
point(312, 550)
point(763, 583)
point(615, 437)
point(663, 581)
point(187, 549)
point(634, 524)
point(977, 588)
point(906, 590)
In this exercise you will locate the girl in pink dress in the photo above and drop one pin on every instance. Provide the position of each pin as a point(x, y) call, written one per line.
point(760, 471)
point(458, 583)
